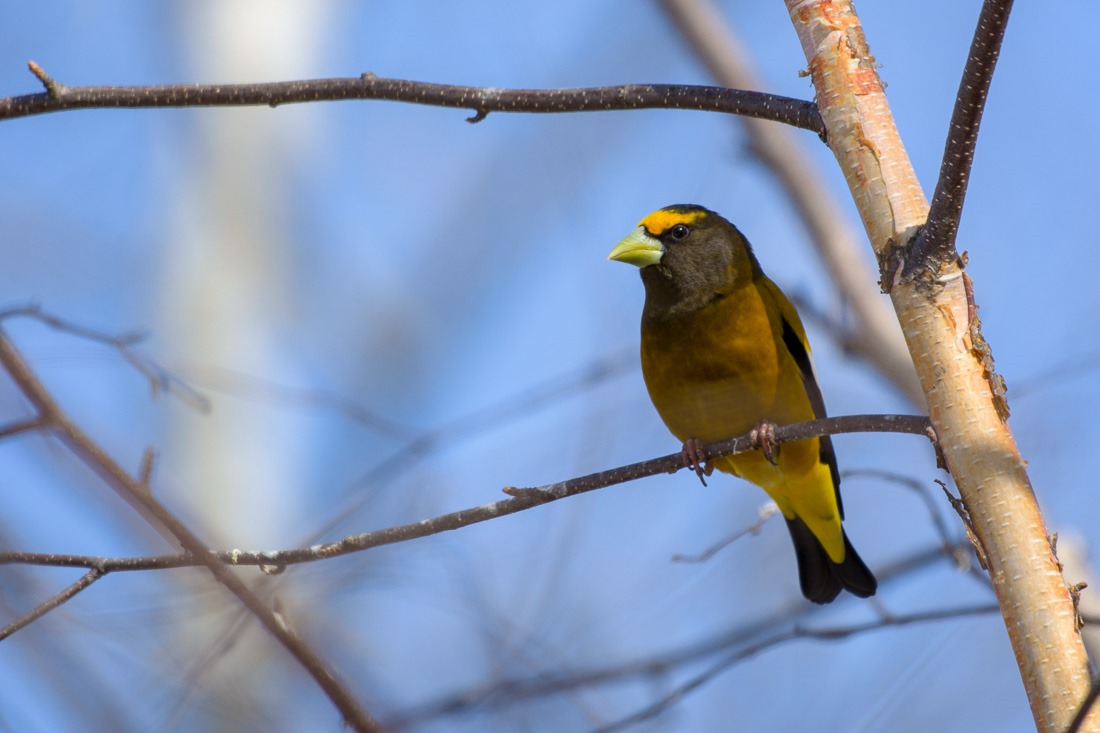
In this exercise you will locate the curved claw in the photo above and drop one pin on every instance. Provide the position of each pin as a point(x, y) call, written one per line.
point(695, 458)
point(763, 439)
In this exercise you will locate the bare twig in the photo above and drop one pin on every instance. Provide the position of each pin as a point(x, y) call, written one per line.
point(17, 427)
point(244, 386)
point(798, 632)
point(963, 553)
point(1079, 365)
point(767, 511)
point(52, 87)
point(521, 499)
point(181, 380)
point(131, 490)
point(738, 643)
point(482, 100)
point(159, 379)
point(476, 422)
point(919, 488)
point(53, 602)
point(935, 244)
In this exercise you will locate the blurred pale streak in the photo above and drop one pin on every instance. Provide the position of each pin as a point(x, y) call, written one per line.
point(226, 284)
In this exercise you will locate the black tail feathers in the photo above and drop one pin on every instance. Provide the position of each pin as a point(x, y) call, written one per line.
point(822, 579)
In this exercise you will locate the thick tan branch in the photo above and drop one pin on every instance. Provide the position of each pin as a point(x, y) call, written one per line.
point(938, 318)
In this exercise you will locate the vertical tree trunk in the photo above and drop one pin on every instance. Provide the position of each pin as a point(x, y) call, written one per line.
point(967, 408)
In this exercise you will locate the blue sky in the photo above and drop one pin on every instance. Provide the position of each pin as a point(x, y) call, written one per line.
point(429, 270)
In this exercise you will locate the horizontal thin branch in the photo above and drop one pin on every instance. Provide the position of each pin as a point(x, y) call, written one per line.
point(482, 100)
point(521, 498)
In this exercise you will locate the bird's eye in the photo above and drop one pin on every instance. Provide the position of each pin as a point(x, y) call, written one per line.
point(679, 232)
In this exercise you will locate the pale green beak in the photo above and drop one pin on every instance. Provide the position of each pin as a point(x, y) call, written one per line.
point(639, 248)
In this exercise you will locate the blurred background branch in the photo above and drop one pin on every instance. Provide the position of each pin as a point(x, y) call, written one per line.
point(56, 421)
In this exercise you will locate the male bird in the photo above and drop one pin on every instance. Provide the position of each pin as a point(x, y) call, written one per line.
point(723, 353)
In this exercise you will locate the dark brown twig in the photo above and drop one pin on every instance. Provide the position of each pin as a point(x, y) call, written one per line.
point(482, 100)
point(521, 499)
point(51, 603)
point(935, 244)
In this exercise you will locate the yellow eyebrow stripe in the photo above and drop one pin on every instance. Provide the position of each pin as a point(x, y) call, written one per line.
point(661, 221)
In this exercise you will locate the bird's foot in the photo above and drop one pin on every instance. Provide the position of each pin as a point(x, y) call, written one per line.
point(763, 439)
point(695, 458)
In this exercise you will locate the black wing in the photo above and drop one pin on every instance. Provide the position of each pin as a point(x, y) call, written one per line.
point(817, 402)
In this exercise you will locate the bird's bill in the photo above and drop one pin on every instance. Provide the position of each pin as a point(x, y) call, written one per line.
point(639, 249)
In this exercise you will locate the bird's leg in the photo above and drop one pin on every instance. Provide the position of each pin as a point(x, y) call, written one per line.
point(695, 458)
point(763, 438)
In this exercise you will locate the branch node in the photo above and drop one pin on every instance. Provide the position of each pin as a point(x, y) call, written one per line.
point(53, 87)
point(21, 426)
point(526, 493)
point(891, 263)
point(480, 113)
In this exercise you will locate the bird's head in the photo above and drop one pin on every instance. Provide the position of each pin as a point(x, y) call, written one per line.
point(688, 256)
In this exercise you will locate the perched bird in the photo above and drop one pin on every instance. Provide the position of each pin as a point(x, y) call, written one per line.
point(724, 353)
